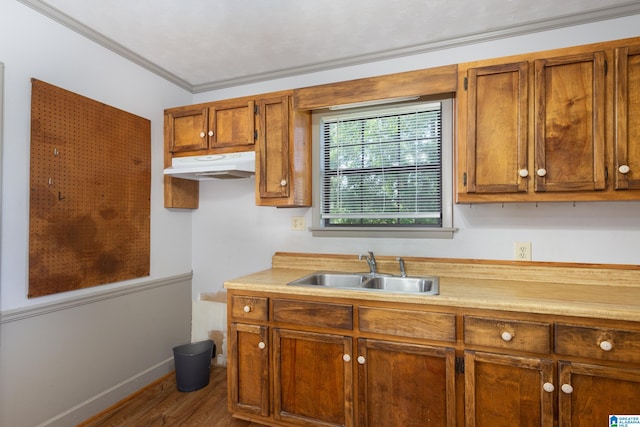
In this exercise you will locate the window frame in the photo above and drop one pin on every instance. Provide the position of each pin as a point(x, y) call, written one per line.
point(446, 231)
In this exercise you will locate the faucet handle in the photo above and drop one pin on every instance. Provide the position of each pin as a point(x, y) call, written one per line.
point(403, 272)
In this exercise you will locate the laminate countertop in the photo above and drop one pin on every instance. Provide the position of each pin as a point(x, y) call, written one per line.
point(607, 300)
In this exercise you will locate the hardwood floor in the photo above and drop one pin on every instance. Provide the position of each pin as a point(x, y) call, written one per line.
point(161, 404)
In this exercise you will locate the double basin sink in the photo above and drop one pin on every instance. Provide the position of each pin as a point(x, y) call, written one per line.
point(428, 285)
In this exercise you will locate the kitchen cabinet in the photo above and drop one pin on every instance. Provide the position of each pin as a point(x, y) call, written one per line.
point(627, 118)
point(198, 129)
point(248, 361)
point(283, 154)
point(550, 126)
point(312, 378)
point(524, 384)
point(404, 384)
point(268, 124)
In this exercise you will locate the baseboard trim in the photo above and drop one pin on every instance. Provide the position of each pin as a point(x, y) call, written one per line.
point(109, 397)
point(38, 310)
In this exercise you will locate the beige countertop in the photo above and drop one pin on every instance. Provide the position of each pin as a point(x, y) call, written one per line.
point(606, 300)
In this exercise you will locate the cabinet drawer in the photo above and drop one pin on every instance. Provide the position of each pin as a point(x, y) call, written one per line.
point(321, 314)
point(598, 343)
point(507, 333)
point(408, 323)
point(249, 308)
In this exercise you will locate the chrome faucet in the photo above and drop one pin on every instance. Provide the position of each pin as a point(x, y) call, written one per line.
point(371, 260)
point(403, 272)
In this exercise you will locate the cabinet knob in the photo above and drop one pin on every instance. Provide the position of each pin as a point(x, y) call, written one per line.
point(202, 134)
point(606, 346)
point(523, 173)
point(506, 336)
point(624, 169)
point(541, 172)
point(566, 388)
point(247, 308)
point(210, 133)
point(346, 358)
point(261, 345)
point(283, 183)
point(361, 360)
point(548, 387)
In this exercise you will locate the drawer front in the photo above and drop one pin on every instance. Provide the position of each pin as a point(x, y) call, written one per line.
point(249, 308)
point(408, 323)
point(598, 343)
point(509, 334)
point(327, 315)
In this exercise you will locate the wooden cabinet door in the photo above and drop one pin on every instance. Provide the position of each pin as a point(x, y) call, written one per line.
point(405, 385)
point(627, 118)
point(590, 393)
point(272, 151)
point(248, 369)
point(506, 391)
point(232, 123)
point(569, 123)
point(312, 378)
point(187, 130)
point(497, 128)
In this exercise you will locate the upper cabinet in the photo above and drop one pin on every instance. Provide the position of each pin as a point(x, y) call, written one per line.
point(267, 124)
point(217, 125)
point(627, 118)
point(550, 126)
point(283, 154)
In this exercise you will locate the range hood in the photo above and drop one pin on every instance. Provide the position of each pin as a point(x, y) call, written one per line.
point(213, 166)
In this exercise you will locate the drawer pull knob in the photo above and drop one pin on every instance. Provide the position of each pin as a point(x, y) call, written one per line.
point(523, 173)
point(541, 172)
point(283, 183)
point(548, 387)
point(247, 308)
point(210, 133)
point(606, 346)
point(261, 345)
point(346, 358)
point(361, 360)
point(624, 169)
point(202, 134)
point(506, 336)
point(567, 389)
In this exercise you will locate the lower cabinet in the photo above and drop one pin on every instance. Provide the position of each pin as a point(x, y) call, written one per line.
point(405, 384)
point(508, 391)
point(312, 361)
point(590, 393)
point(312, 378)
point(248, 369)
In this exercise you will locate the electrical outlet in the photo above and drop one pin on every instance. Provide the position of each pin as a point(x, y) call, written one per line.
point(522, 251)
point(297, 223)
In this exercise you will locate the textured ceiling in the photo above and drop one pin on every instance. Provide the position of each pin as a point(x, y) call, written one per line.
point(208, 44)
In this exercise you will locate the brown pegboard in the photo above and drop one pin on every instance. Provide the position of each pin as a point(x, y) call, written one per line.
point(90, 192)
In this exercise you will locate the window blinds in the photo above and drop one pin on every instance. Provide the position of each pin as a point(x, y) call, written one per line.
point(382, 167)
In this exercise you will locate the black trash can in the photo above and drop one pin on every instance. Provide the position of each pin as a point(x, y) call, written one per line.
point(193, 364)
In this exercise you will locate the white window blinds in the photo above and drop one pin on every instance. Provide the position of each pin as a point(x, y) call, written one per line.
point(383, 167)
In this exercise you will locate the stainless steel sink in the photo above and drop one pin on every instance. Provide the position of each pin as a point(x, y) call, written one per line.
point(331, 279)
point(415, 285)
point(420, 285)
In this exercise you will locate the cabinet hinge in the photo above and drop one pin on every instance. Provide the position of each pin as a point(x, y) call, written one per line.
point(255, 110)
point(606, 67)
point(464, 179)
point(466, 83)
point(459, 365)
point(255, 135)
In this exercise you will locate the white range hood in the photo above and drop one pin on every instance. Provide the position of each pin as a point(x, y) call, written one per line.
point(213, 166)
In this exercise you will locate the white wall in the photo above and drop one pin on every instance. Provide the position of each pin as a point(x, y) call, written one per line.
point(230, 228)
point(69, 354)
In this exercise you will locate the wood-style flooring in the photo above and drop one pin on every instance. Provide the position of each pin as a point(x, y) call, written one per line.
point(161, 404)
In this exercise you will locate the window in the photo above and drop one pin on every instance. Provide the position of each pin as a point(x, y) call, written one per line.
point(384, 171)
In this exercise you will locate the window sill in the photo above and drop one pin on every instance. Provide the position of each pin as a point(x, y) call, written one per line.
point(377, 232)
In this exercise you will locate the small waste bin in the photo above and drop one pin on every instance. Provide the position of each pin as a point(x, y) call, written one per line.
point(193, 364)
